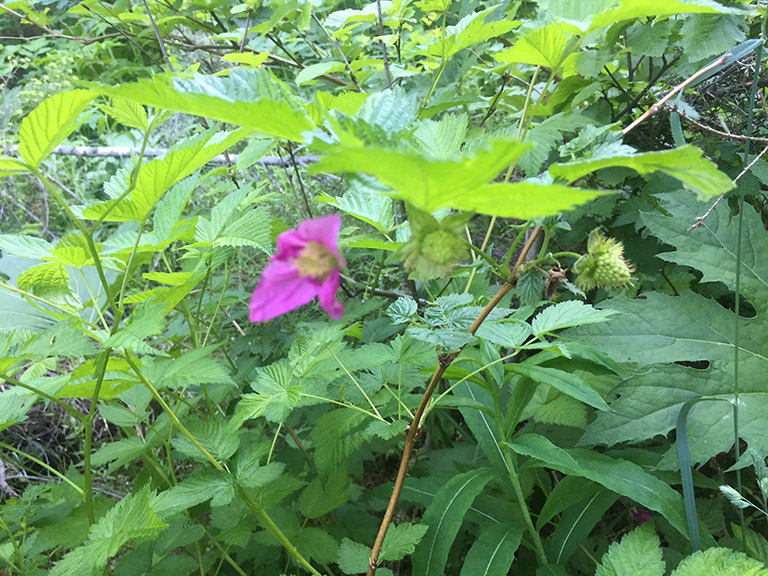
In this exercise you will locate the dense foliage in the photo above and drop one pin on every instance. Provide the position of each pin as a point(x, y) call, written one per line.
point(539, 344)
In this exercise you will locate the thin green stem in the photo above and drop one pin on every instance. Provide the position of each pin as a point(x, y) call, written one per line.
point(345, 405)
point(20, 384)
point(176, 422)
point(370, 402)
point(273, 529)
point(483, 246)
point(53, 471)
point(440, 70)
point(514, 479)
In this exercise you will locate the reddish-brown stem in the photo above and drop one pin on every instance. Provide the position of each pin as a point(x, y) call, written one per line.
point(413, 430)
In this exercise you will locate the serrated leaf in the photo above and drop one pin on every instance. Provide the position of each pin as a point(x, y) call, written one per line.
point(13, 408)
point(337, 435)
point(253, 99)
point(252, 229)
point(203, 486)
point(401, 540)
point(50, 123)
point(566, 315)
point(543, 46)
point(159, 175)
point(700, 330)
point(493, 552)
point(277, 394)
point(131, 518)
point(50, 281)
point(128, 113)
point(637, 554)
point(444, 517)
point(687, 164)
point(320, 497)
point(720, 562)
point(470, 30)
point(24, 246)
point(353, 557)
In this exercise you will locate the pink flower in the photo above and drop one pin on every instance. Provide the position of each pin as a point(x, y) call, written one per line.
point(306, 265)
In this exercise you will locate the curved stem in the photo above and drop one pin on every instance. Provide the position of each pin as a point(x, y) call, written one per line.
point(415, 427)
point(53, 471)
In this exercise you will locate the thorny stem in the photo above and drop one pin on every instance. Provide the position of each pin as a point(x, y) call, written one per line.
point(413, 431)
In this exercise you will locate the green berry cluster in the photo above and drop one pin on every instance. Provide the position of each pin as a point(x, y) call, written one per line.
point(603, 265)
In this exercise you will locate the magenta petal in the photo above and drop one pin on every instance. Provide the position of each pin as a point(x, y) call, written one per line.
point(280, 290)
point(325, 231)
point(326, 294)
point(289, 245)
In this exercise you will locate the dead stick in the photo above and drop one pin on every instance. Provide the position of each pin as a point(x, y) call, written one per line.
point(413, 430)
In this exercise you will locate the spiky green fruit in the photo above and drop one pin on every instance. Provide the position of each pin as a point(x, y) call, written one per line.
point(603, 265)
point(435, 247)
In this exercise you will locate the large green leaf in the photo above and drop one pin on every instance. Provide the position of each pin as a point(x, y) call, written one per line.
point(566, 382)
point(427, 183)
point(620, 476)
point(699, 330)
point(158, 176)
point(687, 164)
point(544, 46)
point(254, 99)
point(631, 9)
point(51, 122)
point(444, 518)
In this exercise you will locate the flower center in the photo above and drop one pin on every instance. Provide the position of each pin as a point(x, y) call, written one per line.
point(316, 261)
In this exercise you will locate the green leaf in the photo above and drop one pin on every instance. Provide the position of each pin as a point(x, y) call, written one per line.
point(720, 562)
point(119, 453)
point(24, 246)
point(50, 281)
point(470, 30)
point(687, 164)
point(157, 176)
point(253, 229)
point(337, 435)
point(566, 315)
point(426, 183)
point(353, 557)
point(314, 70)
point(10, 166)
point(131, 518)
point(13, 408)
point(319, 497)
point(254, 99)
point(566, 382)
point(638, 554)
point(203, 486)
point(523, 200)
point(543, 46)
point(706, 35)
point(50, 123)
point(128, 113)
point(401, 540)
point(619, 476)
point(445, 516)
point(493, 552)
point(632, 9)
point(277, 394)
point(700, 330)
point(569, 491)
point(575, 525)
